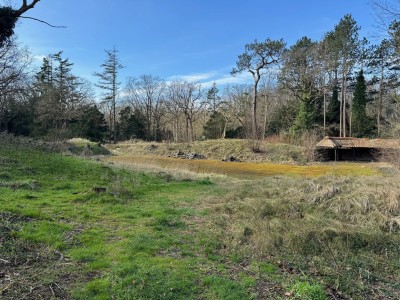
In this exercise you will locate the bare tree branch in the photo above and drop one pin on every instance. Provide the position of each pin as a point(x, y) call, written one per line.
point(9, 17)
point(385, 12)
point(54, 26)
point(25, 7)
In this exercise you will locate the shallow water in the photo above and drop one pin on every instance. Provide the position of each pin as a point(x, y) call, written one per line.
point(248, 169)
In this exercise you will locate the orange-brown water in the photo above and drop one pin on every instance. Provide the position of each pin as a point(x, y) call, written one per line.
point(248, 169)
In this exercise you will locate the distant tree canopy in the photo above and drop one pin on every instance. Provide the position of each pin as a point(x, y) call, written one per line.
point(311, 85)
point(9, 17)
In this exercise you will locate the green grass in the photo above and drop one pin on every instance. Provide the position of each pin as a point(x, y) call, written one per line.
point(74, 228)
point(308, 291)
point(125, 234)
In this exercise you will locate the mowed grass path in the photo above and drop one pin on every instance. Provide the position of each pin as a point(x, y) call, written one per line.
point(106, 233)
point(247, 169)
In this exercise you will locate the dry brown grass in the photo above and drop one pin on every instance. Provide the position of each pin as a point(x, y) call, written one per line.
point(149, 165)
point(277, 139)
point(80, 141)
point(340, 228)
point(214, 149)
point(363, 203)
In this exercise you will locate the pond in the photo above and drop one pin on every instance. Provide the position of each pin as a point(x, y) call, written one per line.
point(247, 169)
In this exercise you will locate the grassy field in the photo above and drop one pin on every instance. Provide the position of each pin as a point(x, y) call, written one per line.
point(82, 229)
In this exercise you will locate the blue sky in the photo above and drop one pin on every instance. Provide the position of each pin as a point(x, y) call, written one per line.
point(190, 39)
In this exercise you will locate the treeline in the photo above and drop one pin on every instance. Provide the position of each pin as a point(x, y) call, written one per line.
point(341, 85)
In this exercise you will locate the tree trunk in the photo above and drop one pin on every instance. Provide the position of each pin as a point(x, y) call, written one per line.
point(351, 120)
point(111, 125)
point(114, 99)
point(150, 131)
point(191, 130)
point(380, 101)
point(114, 123)
point(265, 114)
point(341, 113)
point(343, 102)
point(344, 111)
point(324, 91)
point(324, 112)
point(187, 129)
point(255, 129)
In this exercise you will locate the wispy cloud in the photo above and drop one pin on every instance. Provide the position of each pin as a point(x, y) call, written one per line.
point(198, 77)
point(207, 79)
point(242, 78)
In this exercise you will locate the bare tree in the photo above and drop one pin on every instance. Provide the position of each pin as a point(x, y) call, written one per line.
point(269, 99)
point(387, 14)
point(386, 11)
point(258, 57)
point(185, 98)
point(147, 93)
point(174, 112)
point(13, 64)
point(236, 105)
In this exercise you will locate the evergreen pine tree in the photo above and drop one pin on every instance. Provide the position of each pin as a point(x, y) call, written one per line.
point(124, 126)
point(108, 81)
point(58, 96)
point(361, 123)
point(91, 124)
point(333, 114)
point(305, 117)
point(215, 126)
point(212, 98)
point(138, 124)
